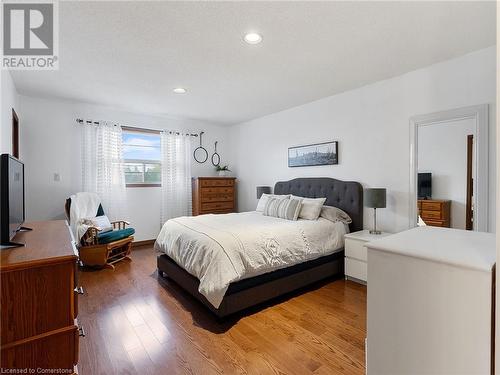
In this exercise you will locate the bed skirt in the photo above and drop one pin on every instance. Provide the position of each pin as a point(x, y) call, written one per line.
point(256, 290)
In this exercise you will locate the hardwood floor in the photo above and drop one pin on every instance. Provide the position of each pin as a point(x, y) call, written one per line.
point(139, 323)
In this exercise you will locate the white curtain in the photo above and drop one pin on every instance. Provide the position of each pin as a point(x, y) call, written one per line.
point(102, 166)
point(175, 175)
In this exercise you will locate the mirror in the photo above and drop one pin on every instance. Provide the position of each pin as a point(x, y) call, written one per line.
point(449, 169)
point(215, 156)
point(215, 159)
point(200, 154)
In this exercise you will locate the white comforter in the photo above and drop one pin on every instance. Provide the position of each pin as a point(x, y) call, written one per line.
point(221, 249)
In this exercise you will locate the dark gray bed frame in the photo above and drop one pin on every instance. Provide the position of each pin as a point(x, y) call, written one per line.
point(243, 294)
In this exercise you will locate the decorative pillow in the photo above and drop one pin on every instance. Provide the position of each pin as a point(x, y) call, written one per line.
point(101, 222)
point(311, 207)
point(335, 214)
point(283, 208)
point(265, 197)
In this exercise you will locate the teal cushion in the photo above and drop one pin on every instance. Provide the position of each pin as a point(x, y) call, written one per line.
point(114, 235)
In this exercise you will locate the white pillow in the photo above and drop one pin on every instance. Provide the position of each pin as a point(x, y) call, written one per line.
point(265, 197)
point(335, 214)
point(311, 207)
point(102, 223)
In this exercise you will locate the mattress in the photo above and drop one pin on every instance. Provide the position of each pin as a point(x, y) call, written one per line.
point(221, 249)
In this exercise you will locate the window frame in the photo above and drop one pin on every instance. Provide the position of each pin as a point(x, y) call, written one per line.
point(129, 129)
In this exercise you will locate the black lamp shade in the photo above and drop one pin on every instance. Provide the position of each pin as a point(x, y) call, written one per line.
point(375, 198)
point(263, 190)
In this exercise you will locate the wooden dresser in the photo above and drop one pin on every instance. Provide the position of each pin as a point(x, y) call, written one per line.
point(435, 213)
point(39, 299)
point(214, 195)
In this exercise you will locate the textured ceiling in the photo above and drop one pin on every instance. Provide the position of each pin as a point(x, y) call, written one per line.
point(132, 54)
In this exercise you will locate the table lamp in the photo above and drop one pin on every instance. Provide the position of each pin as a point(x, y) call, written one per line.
point(263, 190)
point(375, 198)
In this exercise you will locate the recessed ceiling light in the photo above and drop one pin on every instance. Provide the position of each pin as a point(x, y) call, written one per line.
point(252, 38)
point(180, 90)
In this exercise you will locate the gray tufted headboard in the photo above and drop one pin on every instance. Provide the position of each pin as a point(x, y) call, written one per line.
point(346, 195)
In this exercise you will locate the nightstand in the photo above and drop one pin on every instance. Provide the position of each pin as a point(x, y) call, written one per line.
point(356, 256)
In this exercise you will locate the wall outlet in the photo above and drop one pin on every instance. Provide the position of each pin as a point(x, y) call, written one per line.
point(57, 177)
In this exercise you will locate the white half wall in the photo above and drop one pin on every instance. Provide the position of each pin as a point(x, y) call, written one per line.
point(9, 99)
point(371, 125)
point(51, 143)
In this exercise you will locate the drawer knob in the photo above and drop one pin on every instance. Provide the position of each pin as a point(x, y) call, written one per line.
point(81, 332)
point(79, 290)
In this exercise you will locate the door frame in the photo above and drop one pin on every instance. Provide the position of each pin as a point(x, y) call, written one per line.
point(479, 113)
point(469, 211)
point(15, 134)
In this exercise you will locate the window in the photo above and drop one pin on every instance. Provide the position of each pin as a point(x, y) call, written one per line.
point(141, 154)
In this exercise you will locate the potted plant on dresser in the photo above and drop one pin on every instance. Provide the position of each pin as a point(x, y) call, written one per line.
point(223, 171)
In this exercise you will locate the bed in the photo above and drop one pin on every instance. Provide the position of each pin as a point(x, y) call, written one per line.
point(293, 269)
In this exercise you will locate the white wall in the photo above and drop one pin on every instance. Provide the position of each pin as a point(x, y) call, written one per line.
point(9, 99)
point(51, 144)
point(372, 126)
point(442, 150)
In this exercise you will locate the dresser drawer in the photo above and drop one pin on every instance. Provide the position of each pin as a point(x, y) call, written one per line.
point(431, 206)
point(436, 215)
point(218, 190)
point(216, 206)
point(217, 197)
point(356, 268)
point(52, 350)
point(355, 249)
point(217, 212)
point(436, 223)
point(217, 182)
point(47, 294)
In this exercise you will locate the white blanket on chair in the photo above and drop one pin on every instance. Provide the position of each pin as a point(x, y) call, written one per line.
point(83, 205)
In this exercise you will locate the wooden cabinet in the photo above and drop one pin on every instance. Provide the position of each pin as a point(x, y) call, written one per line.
point(214, 195)
point(39, 299)
point(435, 213)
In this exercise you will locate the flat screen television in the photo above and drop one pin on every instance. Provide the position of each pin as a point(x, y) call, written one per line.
point(11, 198)
point(424, 186)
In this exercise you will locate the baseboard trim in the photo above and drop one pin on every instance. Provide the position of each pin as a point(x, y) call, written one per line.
point(143, 243)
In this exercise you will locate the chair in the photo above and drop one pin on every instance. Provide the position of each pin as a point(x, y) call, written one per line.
point(102, 250)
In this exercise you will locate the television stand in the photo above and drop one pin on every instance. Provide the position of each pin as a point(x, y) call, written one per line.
point(44, 318)
point(10, 245)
